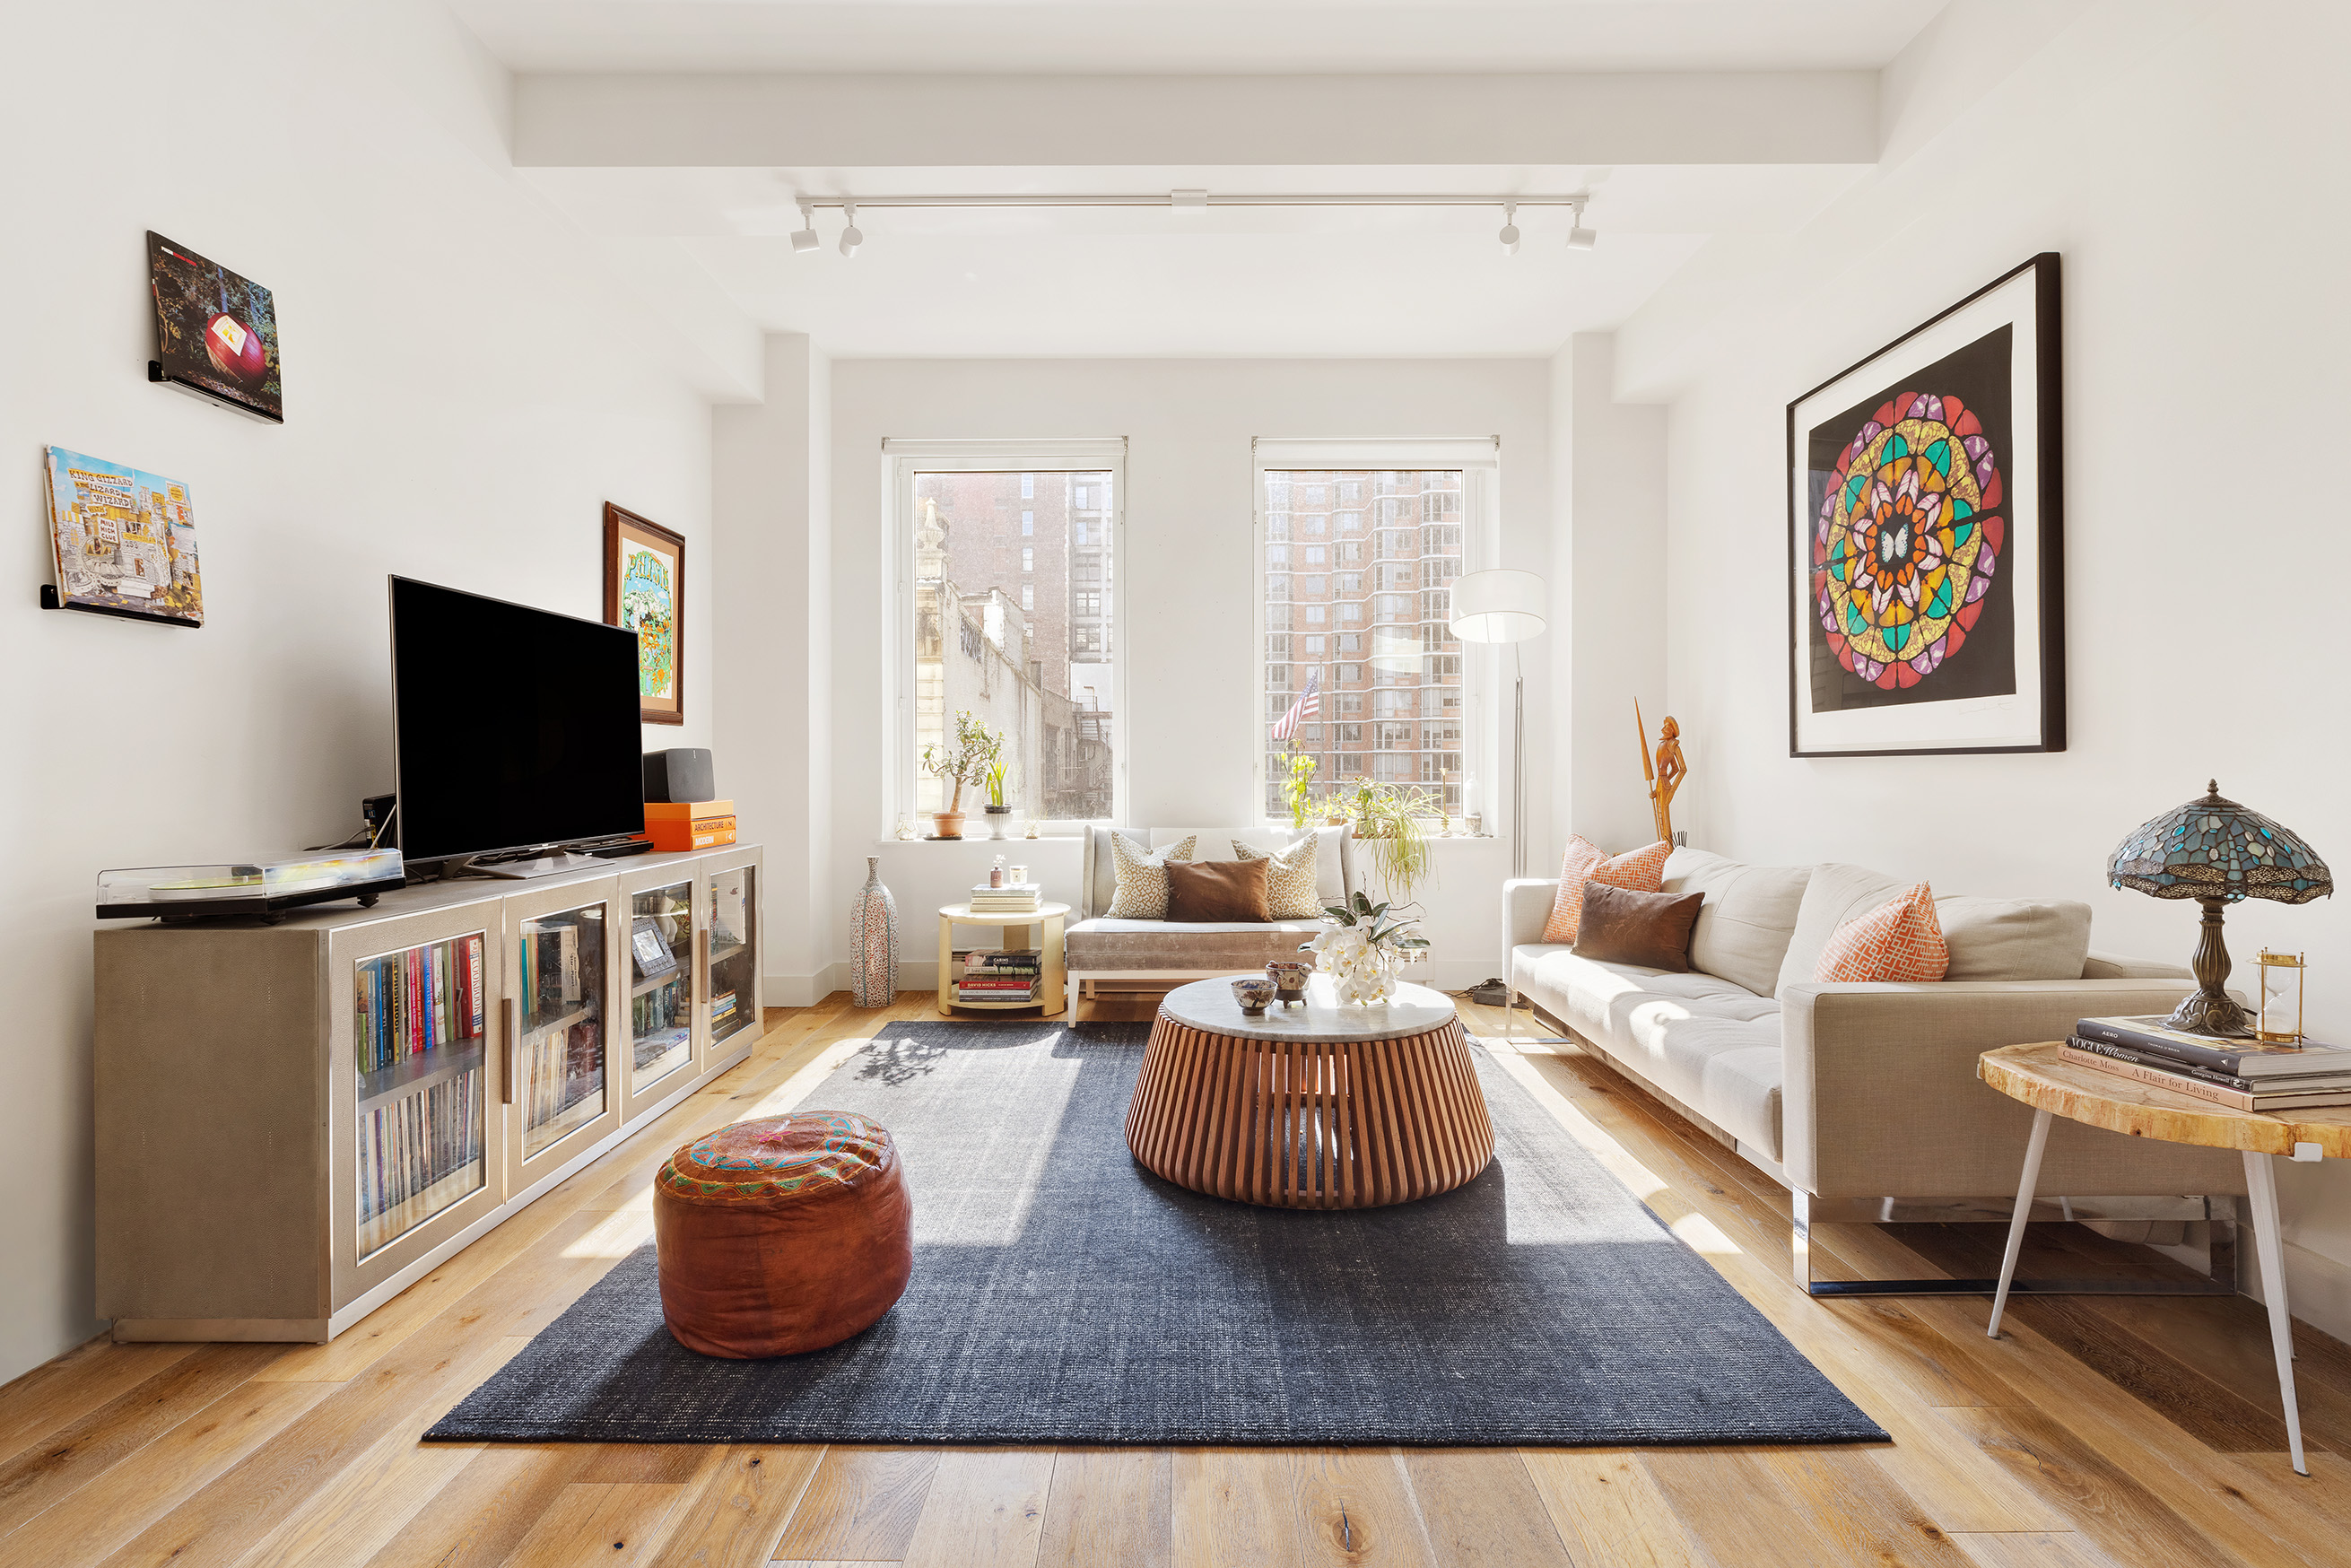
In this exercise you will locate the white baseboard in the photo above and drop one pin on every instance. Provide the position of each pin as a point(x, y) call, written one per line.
point(807, 991)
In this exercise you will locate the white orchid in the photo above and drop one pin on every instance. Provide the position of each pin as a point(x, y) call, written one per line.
point(1356, 949)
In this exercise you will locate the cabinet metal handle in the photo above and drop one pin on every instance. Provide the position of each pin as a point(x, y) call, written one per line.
point(507, 1074)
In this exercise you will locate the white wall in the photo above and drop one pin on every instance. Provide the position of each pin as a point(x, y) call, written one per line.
point(2184, 159)
point(462, 397)
point(1185, 607)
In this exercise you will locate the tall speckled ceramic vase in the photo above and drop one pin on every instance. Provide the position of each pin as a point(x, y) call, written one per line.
point(874, 937)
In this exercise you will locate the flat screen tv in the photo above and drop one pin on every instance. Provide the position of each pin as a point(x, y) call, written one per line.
point(513, 728)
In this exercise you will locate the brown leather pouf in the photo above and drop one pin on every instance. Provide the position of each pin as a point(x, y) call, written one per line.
point(782, 1235)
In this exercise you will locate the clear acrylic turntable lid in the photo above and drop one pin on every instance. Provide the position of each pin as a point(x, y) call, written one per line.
point(260, 882)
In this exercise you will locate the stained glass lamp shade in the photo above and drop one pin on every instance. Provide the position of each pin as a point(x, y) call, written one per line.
point(2216, 852)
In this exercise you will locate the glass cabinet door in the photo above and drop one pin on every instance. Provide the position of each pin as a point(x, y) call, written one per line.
point(420, 1014)
point(560, 1048)
point(661, 982)
point(733, 951)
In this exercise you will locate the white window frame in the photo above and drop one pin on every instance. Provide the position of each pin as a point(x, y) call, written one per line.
point(1479, 460)
point(902, 458)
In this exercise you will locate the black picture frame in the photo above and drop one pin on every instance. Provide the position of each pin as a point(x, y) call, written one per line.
point(2003, 345)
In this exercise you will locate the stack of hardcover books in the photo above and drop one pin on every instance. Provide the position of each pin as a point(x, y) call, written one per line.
point(2244, 1074)
point(1013, 898)
point(1004, 977)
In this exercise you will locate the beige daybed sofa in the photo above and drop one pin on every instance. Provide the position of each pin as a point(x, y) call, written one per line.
point(1166, 952)
point(1868, 1091)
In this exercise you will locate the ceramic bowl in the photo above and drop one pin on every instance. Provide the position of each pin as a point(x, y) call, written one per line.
point(1253, 992)
point(1289, 977)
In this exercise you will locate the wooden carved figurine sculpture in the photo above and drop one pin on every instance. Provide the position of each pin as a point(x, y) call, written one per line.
point(1665, 773)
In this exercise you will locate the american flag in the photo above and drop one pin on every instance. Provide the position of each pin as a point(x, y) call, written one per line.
point(1308, 703)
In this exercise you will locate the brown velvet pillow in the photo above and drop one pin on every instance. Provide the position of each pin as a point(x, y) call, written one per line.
point(1218, 890)
point(1651, 929)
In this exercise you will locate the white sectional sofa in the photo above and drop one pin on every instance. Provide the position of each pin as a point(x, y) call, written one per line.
point(1167, 952)
point(1869, 1092)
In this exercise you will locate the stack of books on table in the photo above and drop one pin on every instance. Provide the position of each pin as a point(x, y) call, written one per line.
point(1004, 977)
point(1013, 898)
point(2244, 1074)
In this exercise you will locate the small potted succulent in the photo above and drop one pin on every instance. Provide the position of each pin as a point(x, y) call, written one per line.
point(967, 761)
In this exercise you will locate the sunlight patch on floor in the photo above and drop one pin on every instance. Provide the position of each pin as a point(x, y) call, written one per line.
point(620, 1234)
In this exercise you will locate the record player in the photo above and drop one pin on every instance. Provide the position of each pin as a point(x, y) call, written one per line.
point(266, 888)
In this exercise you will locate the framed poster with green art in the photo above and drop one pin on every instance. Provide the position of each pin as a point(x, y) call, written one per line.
point(644, 591)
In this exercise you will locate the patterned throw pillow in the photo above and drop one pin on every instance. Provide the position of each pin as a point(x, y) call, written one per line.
point(1289, 881)
point(1142, 878)
point(1900, 939)
point(1635, 871)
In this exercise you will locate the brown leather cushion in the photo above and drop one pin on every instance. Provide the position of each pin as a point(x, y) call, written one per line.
point(1651, 929)
point(1218, 890)
point(782, 1235)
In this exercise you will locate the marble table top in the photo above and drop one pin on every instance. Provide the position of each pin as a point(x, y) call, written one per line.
point(1208, 1006)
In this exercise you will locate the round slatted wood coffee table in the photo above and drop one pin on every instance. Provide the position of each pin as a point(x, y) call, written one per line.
point(1323, 1106)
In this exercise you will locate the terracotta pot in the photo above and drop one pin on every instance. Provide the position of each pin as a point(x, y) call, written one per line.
point(949, 823)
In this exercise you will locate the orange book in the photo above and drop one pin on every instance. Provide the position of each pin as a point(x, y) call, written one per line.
point(689, 824)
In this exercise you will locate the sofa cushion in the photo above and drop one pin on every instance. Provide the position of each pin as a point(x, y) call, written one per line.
point(1220, 891)
point(1988, 938)
point(1586, 863)
point(1742, 932)
point(1094, 946)
point(1653, 929)
point(1900, 940)
point(1140, 890)
point(1291, 889)
point(1333, 850)
point(1709, 1043)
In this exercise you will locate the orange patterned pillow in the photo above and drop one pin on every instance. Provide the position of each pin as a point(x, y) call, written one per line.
point(1898, 940)
point(1635, 871)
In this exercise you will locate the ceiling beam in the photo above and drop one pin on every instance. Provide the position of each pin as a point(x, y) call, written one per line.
point(688, 120)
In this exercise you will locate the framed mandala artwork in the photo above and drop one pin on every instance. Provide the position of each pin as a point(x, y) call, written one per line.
point(1926, 544)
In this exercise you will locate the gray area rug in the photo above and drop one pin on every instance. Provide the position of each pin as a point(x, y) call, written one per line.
point(1063, 1294)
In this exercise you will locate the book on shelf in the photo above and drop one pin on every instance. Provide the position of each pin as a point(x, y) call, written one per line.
point(722, 1006)
point(2220, 1089)
point(1034, 889)
point(1008, 983)
point(2240, 1057)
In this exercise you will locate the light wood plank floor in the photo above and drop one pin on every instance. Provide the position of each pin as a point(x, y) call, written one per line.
point(2101, 1433)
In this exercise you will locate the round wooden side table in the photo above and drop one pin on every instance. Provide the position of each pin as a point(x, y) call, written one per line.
point(1046, 918)
point(1319, 1106)
point(2050, 1078)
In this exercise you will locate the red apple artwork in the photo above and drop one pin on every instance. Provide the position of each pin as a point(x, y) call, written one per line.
point(233, 349)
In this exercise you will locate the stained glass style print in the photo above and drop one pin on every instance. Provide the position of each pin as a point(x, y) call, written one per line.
point(1924, 608)
point(1908, 539)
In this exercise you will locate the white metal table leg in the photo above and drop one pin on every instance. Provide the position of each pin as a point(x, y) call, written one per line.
point(2269, 1248)
point(2024, 1187)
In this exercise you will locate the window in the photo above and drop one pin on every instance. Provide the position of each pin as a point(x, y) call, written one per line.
point(1080, 534)
point(1430, 520)
point(1032, 655)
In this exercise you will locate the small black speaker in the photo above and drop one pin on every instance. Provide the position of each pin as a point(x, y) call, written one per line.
point(680, 773)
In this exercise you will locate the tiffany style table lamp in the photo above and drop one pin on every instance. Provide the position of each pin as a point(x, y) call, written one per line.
point(2216, 852)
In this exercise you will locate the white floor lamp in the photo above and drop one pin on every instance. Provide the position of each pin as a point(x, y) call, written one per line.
point(1505, 606)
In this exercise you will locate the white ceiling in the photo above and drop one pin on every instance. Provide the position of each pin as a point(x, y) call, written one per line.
point(1150, 281)
point(1173, 35)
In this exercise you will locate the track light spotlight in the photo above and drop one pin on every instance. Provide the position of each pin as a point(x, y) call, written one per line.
point(806, 238)
point(852, 236)
point(1509, 234)
point(1578, 237)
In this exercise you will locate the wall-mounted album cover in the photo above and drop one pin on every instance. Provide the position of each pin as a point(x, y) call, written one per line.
point(215, 332)
point(124, 540)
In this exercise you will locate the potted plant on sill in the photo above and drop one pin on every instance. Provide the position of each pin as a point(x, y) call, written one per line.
point(1299, 789)
point(1000, 815)
point(964, 761)
point(1391, 822)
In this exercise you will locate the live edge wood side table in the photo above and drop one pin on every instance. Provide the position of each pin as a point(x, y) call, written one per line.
point(1048, 918)
point(1319, 1106)
point(2047, 1078)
